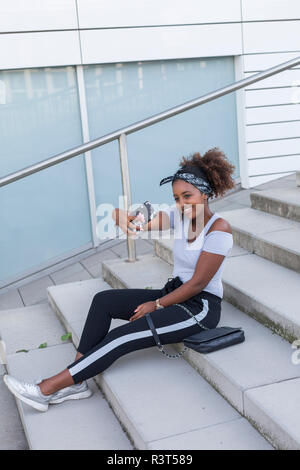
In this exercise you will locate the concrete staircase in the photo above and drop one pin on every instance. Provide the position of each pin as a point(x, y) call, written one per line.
point(158, 410)
point(145, 401)
point(242, 397)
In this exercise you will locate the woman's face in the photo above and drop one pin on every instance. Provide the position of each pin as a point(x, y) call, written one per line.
point(189, 200)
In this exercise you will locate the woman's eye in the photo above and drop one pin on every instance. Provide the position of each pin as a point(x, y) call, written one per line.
point(186, 195)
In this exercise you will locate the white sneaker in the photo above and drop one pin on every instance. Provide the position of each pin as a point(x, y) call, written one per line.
point(74, 392)
point(29, 393)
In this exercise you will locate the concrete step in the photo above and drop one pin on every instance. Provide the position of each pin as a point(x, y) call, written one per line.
point(264, 359)
point(146, 267)
point(248, 375)
point(164, 250)
point(298, 178)
point(266, 291)
point(86, 424)
point(269, 236)
point(284, 203)
point(182, 411)
point(274, 304)
point(12, 436)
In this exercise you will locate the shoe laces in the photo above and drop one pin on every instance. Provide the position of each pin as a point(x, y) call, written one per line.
point(31, 387)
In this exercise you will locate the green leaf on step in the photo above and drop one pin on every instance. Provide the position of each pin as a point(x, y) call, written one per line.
point(148, 287)
point(66, 336)
point(22, 350)
point(43, 345)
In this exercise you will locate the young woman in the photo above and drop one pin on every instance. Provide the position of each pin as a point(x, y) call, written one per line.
point(202, 241)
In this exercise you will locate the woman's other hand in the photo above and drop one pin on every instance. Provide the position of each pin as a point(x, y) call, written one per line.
point(142, 309)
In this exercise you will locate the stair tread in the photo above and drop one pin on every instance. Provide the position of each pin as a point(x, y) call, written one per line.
point(28, 327)
point(249, 274)
point(278, 402)
point(229, 436)
point(148, 271)
point(87, 424)
point(274, 229)
point(288, 196)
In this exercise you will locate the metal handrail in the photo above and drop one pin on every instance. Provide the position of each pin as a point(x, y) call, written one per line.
point(121, 134)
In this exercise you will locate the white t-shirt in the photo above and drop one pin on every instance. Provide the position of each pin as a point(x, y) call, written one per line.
point(186, 254)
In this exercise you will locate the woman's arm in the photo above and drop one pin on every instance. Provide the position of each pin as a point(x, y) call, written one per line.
point(160, 221)
point(122, 218)
point(206, 267)
point(182, 293)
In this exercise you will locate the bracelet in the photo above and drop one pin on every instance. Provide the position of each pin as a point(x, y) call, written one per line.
point(158, 304)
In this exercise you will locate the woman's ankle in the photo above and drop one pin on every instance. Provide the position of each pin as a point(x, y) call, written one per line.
point(44, 388)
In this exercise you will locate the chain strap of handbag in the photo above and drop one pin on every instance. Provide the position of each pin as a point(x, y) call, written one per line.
point(159, 345)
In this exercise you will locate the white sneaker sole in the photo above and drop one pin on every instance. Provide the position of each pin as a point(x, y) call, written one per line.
point(75, 396)
point(38, 406)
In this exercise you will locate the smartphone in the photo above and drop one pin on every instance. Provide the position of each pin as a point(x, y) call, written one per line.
point(143, 213)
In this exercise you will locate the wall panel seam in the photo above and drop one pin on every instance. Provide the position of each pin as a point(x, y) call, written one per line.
point(269, 157)
point(153, 26)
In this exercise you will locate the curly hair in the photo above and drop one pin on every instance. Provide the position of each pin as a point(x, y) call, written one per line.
point(217, 168)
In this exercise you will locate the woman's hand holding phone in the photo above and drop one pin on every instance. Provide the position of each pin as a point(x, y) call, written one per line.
point(123, 219)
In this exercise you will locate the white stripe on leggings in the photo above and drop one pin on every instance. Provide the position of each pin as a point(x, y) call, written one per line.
point(133, 336)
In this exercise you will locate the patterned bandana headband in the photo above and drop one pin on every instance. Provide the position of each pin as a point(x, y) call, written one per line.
point(193, 175)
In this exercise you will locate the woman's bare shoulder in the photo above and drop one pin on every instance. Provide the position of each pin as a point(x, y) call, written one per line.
point(220, 225)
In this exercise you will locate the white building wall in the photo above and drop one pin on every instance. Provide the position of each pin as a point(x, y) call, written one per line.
point(259, 34)
point(271, 35)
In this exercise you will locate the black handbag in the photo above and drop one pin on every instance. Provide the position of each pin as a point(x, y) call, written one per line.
point(209, 340)
point(216, 338)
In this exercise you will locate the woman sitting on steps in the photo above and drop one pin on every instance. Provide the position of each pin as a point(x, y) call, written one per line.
point(202, 242)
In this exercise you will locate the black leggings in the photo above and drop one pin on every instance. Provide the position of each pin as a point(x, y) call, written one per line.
point(101, 347)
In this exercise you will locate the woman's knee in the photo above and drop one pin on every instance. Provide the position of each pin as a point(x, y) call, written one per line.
point(99, 303)
point(102, 297)
point(109, 301)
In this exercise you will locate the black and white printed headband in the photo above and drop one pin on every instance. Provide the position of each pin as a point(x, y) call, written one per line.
point(193, 175)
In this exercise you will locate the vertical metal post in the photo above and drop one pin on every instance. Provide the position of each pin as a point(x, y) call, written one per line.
point(126, 191)
point(88, 154)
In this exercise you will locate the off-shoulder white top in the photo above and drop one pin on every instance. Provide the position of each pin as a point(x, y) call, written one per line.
point(186, 254)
